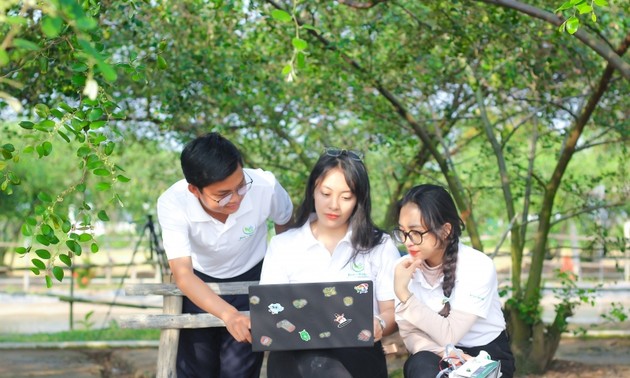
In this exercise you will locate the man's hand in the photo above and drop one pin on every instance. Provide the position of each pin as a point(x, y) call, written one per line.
point(238, 325)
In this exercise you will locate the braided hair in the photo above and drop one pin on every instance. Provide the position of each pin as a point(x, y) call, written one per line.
point(437, 209)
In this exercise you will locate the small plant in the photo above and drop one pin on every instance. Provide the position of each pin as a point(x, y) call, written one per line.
point(86, 322)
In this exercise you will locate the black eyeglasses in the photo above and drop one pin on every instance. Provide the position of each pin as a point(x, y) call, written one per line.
point(241, 191)
point(416, 237)
point(336, 152)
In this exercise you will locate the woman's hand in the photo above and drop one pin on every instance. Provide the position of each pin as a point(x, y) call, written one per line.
point(402, 275)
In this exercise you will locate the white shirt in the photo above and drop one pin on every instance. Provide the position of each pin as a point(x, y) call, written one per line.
point(475, 292)
point(222, 250)
point(295, 256)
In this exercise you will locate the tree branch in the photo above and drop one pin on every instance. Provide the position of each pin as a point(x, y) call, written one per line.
point(613, 58)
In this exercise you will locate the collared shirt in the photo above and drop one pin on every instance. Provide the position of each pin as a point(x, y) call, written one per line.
point(222, 250)
point(475, 292)
point(296, 256)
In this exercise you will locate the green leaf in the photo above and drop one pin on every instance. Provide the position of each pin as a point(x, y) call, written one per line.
point(309, 27)
point(51, 26)
point(301, 60)
point(102, 215)
point(74, 247)
point(21, 250)
point(42, 239)
point(44, 197)
point(101, 172)
point(601, 3)
point(86, 23)
point(65, 259)
point(95, 114)
point(43, 253)
point(27, 230)
point(584, 8)
point(25, 44)
point(28, 125)
point(85, 237)
point(281, 15)
point(161, 63)
point(103, 186)
point(94, 247)
point(107, 71)
point(4, 57)
point(47, 230)
point(593, 17)
point(573, 24)
point(35, 271)
point(287, 69)
point(42, 110)
point(122, 178)
point(38, 264)
point(47, 148)
point(299, 44)
point(48, 281)
point(58, 273)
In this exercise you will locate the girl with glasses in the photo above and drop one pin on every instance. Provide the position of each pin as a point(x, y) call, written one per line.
point(446, 291)
point(334, 239)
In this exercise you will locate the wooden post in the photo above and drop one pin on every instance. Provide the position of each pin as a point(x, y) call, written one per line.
point(169, 339)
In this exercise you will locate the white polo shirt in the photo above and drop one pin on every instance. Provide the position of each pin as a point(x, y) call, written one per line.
point(295, 256)
point(475, 292)
point(222, 250)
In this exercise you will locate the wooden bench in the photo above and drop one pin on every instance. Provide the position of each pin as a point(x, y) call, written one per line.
point(171, 320)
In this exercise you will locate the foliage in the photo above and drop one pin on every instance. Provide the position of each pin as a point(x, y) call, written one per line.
point(524, 124)
point(111, 333)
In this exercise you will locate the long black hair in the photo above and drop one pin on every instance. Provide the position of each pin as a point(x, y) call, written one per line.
point(208, 159)
point(365, 235)
point(437, 208)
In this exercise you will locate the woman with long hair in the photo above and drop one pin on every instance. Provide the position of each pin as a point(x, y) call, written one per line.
point(446, 291)
point(334, 239)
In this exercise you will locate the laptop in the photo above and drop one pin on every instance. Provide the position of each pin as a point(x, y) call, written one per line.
point(318, 315)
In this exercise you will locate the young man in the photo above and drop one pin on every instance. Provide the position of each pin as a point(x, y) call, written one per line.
point(214, 229)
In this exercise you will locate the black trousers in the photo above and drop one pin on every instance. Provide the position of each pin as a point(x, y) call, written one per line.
point(425, 364)
point(213, 352)
point(368, 362)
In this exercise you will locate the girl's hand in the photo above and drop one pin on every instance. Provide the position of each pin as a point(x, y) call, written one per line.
point(402, 275)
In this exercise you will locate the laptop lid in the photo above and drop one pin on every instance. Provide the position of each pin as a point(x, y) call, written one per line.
point(311, 315)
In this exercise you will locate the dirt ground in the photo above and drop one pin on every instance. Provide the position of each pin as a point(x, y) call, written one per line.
point(592, 358)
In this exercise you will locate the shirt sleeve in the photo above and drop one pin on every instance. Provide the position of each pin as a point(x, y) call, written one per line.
point(416, 340)
point(174, 228)
point(272, 269)
point(281, 205)
point(441, 330)
point(386, 256)
point(475, 296)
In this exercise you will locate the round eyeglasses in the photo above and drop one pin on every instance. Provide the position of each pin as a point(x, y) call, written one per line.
point(241, 191)
point(336, 152)
point(416, 237)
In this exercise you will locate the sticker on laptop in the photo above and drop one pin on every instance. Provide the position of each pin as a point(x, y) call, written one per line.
point(341, 320)
point(275, 308)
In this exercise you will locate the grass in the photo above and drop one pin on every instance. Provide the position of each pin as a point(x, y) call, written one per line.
point(113, 332)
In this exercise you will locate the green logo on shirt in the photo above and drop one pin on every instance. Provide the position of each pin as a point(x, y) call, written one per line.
point(248, 231)
point(357, 267)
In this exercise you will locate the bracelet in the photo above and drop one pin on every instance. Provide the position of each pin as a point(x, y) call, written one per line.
point(381, 322)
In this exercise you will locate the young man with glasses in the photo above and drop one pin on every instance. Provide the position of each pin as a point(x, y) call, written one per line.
point(214, 229)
